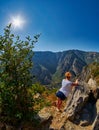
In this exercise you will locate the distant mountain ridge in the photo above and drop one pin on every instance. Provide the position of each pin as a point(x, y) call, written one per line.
point(49, 67)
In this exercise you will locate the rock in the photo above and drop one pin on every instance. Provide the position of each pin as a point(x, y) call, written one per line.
point(85, 117)
point(97, 106)
point(92, 84)
point(96, 123)
point(84, 123)
point(76, 101)
point(79, 113)
point(96, 93)
point(44, 115)
point(45, 118)
point(80, 108)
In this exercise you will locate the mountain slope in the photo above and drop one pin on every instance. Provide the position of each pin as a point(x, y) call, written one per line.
point(49, 67)
point(90, 71)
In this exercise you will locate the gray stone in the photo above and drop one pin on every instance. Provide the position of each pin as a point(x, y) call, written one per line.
point(76, 101)
point(92, 84)
point(44, 115)
point(96, 123)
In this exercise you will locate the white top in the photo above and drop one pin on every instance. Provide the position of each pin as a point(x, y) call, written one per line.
point(66, 87)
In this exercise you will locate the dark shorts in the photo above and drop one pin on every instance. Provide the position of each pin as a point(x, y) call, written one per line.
point(60, 95)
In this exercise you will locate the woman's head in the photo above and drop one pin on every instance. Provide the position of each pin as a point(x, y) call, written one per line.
point(68, 75)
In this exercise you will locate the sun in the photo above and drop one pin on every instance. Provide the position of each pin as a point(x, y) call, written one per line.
point(17, 22)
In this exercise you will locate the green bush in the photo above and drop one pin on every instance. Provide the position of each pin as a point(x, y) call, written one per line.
point(37, 88)
point(15, 77)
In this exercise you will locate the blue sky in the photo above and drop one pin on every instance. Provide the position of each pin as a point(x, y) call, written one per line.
point(63, 24)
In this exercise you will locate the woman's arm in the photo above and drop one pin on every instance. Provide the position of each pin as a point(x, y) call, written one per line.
point(75, 83)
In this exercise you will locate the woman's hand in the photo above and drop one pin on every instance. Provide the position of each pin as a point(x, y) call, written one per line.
point(76, 81)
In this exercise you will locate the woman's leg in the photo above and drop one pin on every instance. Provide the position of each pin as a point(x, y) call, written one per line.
point(59, 103)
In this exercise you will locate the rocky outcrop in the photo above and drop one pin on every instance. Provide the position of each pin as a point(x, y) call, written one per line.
point(76, 101)
point(92, 84)
point(96, 121)
point(81, 110)
point(44, 115)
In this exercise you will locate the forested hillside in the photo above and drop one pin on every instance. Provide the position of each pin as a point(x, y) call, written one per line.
point(49, 67)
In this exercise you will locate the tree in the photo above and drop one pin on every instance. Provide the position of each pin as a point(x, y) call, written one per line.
point(15, 75)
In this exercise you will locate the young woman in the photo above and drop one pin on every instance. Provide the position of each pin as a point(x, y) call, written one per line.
point(65, 89)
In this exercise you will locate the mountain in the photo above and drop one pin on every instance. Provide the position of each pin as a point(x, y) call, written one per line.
point(49, 67)
point(90, 71)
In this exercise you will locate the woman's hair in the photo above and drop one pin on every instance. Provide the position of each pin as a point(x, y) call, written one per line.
point(68, 75)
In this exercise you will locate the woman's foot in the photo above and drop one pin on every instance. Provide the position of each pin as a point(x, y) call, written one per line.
point(58, 110)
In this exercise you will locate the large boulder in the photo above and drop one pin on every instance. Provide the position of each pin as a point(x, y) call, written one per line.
point(45, 118)
point(96, 121)
point(76, 102)
point(80, 107)
point(92, 84)
point(44, 114)
point(80, 112)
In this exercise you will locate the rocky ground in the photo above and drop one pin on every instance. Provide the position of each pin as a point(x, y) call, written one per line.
point(79, 112)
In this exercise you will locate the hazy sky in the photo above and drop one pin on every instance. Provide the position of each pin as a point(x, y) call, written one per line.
point(63, 24)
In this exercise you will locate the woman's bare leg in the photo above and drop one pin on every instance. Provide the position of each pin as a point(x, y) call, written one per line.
point(59, 103)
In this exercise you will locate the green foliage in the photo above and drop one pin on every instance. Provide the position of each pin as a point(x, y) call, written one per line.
point(37, 88)
point(56, 79)
point(15, 77)
point(94, 71)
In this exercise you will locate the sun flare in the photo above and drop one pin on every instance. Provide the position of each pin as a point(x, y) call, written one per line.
point(17, 22)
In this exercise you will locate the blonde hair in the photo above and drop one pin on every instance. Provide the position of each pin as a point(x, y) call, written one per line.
point(68, 75)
